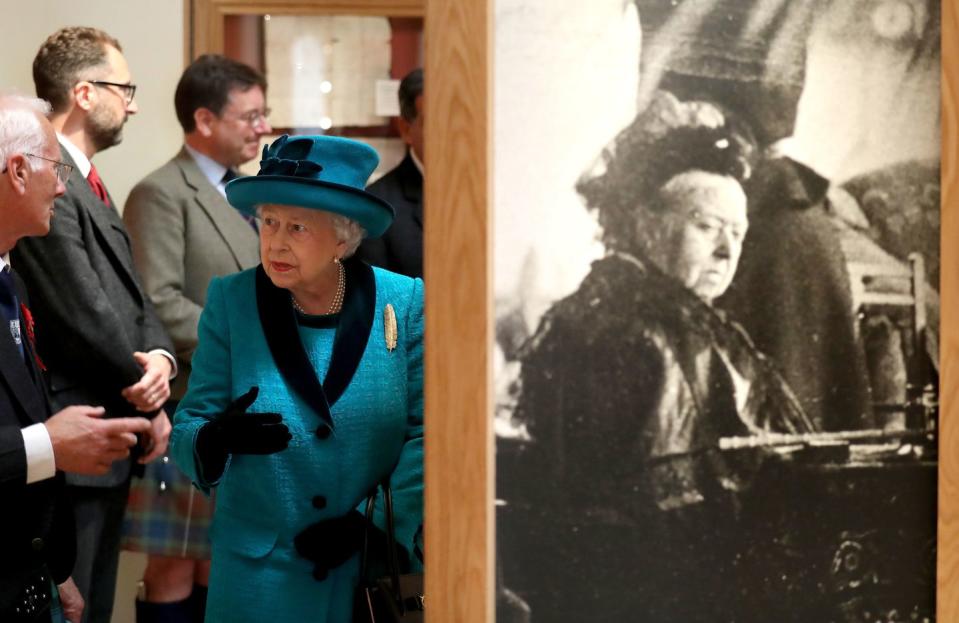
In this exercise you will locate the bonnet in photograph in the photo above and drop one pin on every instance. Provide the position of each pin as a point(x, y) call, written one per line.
point(319, 172)
point(746, 55)
point(669, 137)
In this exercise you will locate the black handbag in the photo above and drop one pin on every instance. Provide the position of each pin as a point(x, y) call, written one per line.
point(395, 598)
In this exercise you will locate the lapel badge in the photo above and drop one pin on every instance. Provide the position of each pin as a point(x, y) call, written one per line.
point(389, 326)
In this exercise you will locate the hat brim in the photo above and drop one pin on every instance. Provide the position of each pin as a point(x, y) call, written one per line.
point(374, 214)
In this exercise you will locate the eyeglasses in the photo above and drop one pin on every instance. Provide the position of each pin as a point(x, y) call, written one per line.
point(714, 227)
point(255, 117)
point(129, 90)
point(62, 168)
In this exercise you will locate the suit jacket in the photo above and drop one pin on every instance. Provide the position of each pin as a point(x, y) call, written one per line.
point(363, 423)
point(400, 249)
point(87, 297)
point(184, 233)
point(36, 528)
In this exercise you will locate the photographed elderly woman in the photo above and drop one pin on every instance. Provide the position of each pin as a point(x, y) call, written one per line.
point(306, 391)
point(617, 506)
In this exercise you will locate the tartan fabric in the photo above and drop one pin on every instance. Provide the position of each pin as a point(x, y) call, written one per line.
point(173, 522)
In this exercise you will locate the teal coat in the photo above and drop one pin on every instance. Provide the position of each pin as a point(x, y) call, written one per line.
point(373, 428)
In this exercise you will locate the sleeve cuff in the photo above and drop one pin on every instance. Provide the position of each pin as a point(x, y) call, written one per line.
point(40, 460)
point(160, 351)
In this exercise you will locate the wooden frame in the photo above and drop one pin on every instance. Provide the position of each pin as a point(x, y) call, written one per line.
point(204, 25)
point(459, 443)
point(948, 535)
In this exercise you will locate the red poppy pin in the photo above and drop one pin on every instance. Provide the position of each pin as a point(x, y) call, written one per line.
point(31, 337)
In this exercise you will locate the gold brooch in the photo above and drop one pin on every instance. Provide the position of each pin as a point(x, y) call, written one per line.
point(389, 326)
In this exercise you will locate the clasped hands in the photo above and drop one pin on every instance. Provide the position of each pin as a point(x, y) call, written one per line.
point(153, 389)
point(237, 432)
point(86, 443)
point(148, 395)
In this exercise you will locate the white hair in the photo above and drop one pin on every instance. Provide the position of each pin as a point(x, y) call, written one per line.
point(348, 231)
point(20, 129)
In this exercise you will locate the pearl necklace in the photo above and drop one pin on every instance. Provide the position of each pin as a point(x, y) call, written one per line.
point(337, 304)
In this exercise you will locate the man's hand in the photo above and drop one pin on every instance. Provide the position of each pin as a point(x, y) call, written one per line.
point(152, 390)
point(83, 443)
point(159, 437)
point(71, 600)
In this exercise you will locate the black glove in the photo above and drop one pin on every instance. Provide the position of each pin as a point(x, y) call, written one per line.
point(237, 432)
point(331, 542)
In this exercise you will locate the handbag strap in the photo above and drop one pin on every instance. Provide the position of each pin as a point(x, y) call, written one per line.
point(392, 558)
point(391, 555)
point(364, 557)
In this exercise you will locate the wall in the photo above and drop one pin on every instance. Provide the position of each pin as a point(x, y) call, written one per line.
point(151, 34)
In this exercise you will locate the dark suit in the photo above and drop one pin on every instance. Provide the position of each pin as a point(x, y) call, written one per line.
point(36, 529)
point(94, 314)
point(400, 249)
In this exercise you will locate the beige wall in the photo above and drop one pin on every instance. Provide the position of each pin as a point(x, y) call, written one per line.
point(151, 33)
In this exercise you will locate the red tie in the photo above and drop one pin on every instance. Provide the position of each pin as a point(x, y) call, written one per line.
point(96, 184)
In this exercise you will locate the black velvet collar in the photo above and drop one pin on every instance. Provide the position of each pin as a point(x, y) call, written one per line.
point(279, 322)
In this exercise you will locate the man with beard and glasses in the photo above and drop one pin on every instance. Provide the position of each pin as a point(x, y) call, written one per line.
point(102, 341)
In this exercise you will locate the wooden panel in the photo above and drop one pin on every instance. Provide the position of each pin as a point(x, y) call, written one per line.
point(948, 564)
point(459, 461)
point(948, 575)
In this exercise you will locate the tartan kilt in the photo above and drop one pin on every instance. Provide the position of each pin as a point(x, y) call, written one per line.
point(166, 515)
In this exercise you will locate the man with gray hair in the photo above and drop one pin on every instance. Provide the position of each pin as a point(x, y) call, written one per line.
point(35, 450)
point(400, 249)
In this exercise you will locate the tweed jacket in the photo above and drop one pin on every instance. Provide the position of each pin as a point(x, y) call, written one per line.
point(36, 528)
point(184, 233)
point(363, 424)
point(87, 297)
point(400, 249)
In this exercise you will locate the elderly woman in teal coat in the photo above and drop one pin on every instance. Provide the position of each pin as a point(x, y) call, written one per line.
point(306, 392)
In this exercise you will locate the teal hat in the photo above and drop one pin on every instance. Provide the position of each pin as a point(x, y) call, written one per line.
point(319, 172)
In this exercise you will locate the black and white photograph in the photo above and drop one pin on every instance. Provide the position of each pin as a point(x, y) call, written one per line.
point(716, 281)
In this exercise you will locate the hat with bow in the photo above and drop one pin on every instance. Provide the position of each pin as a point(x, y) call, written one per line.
point(319, 172)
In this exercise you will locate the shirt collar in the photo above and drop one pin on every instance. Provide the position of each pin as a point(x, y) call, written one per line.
point(416, 161)
point(211, 169)
point(83, 163)
point(4, 261)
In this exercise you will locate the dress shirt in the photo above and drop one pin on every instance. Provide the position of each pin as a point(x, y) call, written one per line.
point(83, 163)
point(83, 167)
point(211, 169)
point(218, 176)
point(36, 439)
